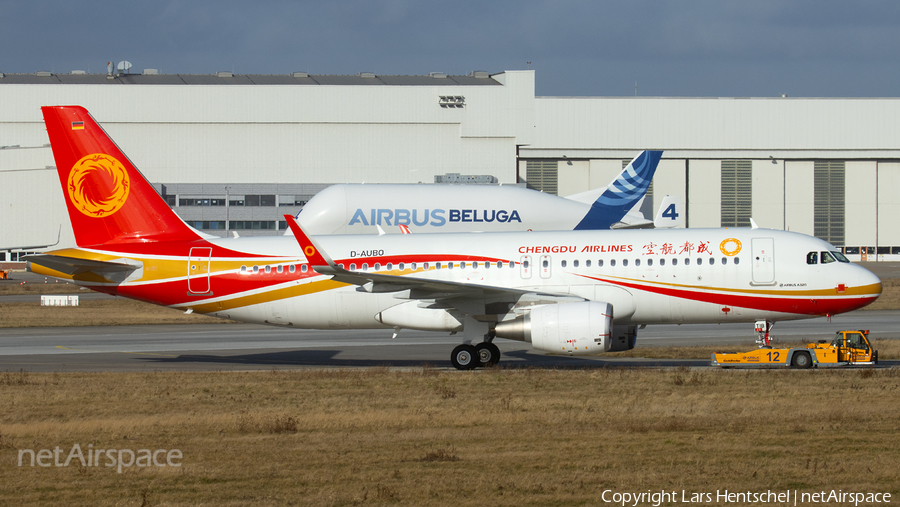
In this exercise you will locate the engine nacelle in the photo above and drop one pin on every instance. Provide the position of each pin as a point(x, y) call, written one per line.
point(622, 338)
point(576, 328)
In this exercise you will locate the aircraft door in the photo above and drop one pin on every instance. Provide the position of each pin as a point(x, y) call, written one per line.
point(763, 250)
point(525, 266)
point(198, 270)
point(545, 266)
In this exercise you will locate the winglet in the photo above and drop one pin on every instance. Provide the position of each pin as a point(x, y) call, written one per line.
point(314, 254)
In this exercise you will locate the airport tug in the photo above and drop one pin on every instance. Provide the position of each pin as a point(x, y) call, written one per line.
point(849, 348)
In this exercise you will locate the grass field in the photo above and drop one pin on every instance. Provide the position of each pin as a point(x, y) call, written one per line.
point(425, 437)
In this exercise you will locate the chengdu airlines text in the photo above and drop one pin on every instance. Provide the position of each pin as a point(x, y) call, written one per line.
point(724, 496)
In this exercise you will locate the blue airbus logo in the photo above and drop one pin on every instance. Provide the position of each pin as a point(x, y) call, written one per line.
point(434, 217)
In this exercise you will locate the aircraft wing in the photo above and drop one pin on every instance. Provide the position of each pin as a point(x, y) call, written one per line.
point(419, 288)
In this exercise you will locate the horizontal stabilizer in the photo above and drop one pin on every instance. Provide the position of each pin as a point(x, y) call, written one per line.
point(74, 266)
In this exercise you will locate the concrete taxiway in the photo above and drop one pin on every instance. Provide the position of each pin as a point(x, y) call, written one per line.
point(204, 347)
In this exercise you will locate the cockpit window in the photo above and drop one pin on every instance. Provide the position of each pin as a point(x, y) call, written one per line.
point(812, 258)
point(840, 257)
point(827, 258)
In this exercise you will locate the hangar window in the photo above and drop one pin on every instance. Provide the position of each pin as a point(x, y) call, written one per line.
point(737, 193)
point(828, 201)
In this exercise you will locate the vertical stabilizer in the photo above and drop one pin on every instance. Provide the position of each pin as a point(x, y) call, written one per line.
point(108, 199)
point(622, 195)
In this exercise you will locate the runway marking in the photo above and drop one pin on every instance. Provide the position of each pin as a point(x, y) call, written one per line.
point(115, 352)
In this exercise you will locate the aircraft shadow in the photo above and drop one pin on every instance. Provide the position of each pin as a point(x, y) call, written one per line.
point(313, 357)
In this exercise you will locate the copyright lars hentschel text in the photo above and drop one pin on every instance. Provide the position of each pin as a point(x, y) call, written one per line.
point(783, 497)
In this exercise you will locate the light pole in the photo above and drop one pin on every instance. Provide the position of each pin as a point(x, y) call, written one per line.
point(226, 209)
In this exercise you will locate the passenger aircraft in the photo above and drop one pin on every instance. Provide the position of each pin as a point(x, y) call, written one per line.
point(574, 292)
point(358, 209)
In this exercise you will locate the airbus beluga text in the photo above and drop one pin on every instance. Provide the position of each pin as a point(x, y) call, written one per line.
point(577, 292)
point(359, 209)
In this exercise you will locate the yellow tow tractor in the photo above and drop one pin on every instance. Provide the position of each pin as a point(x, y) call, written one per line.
point(849, 348)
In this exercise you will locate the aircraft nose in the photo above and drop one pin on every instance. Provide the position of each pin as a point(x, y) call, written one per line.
point(868, 281)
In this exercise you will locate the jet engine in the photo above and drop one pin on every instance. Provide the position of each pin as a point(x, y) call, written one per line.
point(577, 328)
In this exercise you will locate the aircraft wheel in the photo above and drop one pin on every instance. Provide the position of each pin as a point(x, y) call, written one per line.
point(801, 360)
point(488, 354)
point(464, 357)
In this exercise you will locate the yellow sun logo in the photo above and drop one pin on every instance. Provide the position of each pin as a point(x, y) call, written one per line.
point(730, 247)
point(98, 185)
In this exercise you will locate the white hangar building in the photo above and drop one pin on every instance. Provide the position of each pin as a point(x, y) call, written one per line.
point(238, 151)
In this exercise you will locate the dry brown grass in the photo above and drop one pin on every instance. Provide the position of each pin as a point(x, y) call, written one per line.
point(102, 312)
point(506, 437)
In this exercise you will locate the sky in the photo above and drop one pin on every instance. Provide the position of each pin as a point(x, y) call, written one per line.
point(690, 48)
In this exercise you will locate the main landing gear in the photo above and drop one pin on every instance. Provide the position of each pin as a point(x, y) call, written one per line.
point(469, 357)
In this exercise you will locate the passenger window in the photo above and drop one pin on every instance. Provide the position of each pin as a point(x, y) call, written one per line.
point(377, 266)
point(637, 262)
point(256, 269)
point(711, 261)
point(437, 265)
point(575, 264)
point(352, 266)
point(812, 258)
point(587, 263)
point(243, 269)
point(390, 266)
point(365, 266)
point(624, 262)
point(662, 262)
point(487, 265)
point(292, 268)
point(612, 263)
point(525, 264)
point(449, 265)
point(649, 262)
point(400, 266)
point(600, 263)
point(412, 266)
point(724, 260)
point(563, 263)
point(268, 269)
point(737, 260)
point(304, 268)
point(425, 266)
point(674, 262)
point(512, 264)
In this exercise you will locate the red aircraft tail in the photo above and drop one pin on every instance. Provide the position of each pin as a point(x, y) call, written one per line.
point(109, 200)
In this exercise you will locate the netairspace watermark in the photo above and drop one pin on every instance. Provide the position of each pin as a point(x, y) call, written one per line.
point(719, 497)
point(90, 457)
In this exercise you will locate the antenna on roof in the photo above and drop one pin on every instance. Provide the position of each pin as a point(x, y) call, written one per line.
point(109, 70)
